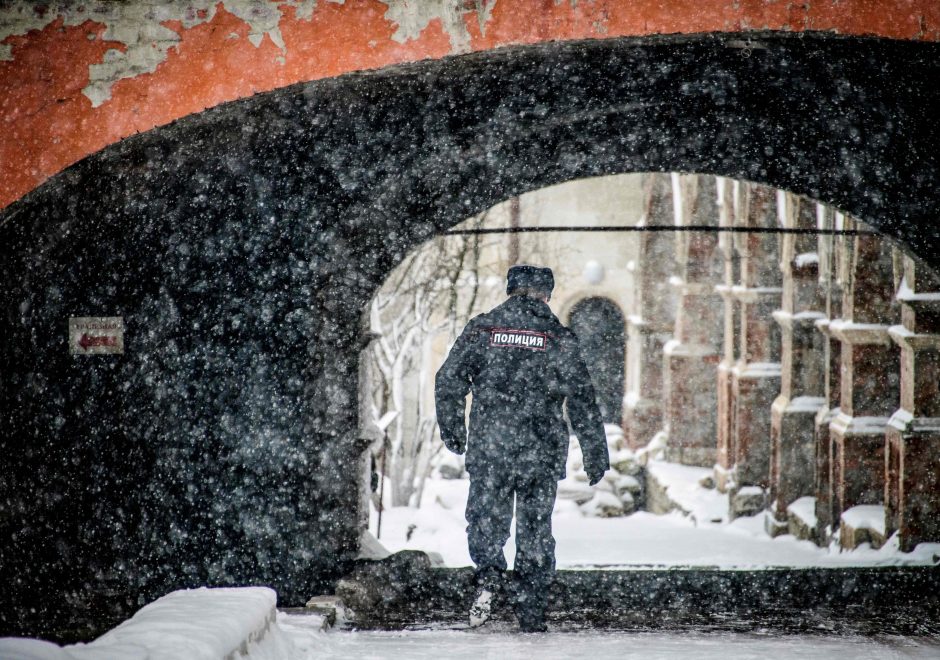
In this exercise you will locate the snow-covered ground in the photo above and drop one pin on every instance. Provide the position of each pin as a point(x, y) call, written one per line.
point(240, 623)
point(639, 540)
point(171, 629)
point(190, 624)
point(505, 645)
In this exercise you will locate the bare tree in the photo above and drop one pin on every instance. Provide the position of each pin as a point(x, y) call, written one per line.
point(435, 290)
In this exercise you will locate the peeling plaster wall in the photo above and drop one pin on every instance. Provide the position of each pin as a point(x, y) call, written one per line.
point(413, 17)
point(141, 38)
point(77, 76)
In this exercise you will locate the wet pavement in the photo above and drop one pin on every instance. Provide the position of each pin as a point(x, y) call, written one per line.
point(500, 641)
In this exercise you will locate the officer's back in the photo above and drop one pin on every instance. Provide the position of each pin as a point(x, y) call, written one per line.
point(520, 363)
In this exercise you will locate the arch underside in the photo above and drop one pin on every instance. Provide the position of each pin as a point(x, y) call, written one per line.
point(241, 244)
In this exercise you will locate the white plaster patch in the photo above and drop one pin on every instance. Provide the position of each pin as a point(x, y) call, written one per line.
point(138, 27)
point(303, 10)
point(412, 16)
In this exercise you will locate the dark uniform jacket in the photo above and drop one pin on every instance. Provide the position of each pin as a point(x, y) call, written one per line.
point(521, 365)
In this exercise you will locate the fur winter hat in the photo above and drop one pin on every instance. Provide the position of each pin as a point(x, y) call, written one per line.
point(530, 277)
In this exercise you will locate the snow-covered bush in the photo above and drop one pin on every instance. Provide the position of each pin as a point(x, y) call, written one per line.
point(433, 292)
point(619, 490)
point(604, 504)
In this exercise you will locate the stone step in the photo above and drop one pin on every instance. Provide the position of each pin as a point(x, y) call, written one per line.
point(404, 591)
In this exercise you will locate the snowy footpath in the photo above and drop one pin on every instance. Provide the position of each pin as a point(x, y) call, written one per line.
point(243, 623)
point(240, 624)
point(597, 645)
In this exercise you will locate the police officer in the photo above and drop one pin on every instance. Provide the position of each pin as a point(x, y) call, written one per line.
point(522, 366)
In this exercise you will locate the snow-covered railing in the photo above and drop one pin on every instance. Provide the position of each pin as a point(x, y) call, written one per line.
point(196, 624)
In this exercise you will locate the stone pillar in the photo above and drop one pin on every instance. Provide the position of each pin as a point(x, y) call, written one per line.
point(833, 269)
point(727, 192)
point(756, 373)
point(793, 413)
point(650, 324)
point(690, 358)
point(869, 378)
point(912, 483)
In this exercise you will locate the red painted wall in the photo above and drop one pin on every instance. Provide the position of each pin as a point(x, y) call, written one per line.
point(47, 123)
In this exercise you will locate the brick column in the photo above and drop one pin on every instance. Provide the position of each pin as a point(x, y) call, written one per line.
point(912, 484)
point(869, 381)
point(650, 323)
point(793, 413)
point(727, 192)
point(755, 378)
point(834, 252)
point(689, 360)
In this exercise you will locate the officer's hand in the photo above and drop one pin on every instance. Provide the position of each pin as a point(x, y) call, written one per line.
point(594, 477)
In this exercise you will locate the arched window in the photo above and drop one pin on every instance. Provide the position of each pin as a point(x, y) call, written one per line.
point(599, 325)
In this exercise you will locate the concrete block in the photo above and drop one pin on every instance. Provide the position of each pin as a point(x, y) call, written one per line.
point(329, 607)
point(747, 501)
point(862, 524)
point(657, 498)
point(374, 586)
point(774, 527)
point(801, 519)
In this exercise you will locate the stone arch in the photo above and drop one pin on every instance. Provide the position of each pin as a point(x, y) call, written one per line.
point(111, 70)
point(240, 245)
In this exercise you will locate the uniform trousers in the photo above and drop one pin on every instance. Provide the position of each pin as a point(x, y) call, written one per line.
point(489, 514)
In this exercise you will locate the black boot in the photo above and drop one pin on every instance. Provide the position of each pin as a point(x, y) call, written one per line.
point(530, 610)
point(532, 622)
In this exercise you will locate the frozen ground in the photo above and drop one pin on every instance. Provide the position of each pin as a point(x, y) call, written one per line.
point(639, 540)
point(170, 630)
point(505, 645)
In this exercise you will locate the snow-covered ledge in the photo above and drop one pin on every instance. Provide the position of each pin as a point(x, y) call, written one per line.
point(196, 624)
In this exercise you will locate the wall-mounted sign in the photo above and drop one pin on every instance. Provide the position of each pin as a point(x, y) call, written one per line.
point(96, 335)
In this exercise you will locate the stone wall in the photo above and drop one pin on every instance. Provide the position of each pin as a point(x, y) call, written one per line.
point(810, 377)
point(242, 244)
